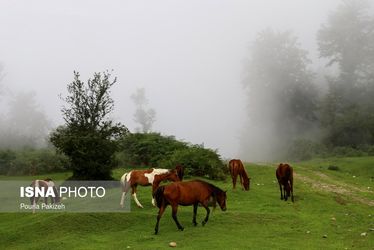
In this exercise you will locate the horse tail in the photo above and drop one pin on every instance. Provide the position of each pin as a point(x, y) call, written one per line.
point(159, 196)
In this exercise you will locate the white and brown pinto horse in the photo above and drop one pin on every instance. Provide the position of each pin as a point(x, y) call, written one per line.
point(153, 176)
point(46, 184)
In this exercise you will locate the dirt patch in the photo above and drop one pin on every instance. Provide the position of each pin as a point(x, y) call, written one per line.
point(340, 200)
point(340, 189)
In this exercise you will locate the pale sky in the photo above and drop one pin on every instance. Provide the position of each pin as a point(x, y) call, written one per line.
point(188, 55)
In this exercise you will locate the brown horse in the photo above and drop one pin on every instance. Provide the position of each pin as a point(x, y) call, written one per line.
point(46, 184)
point(188, 193)
point(284, 175)
point(147, 177)
point(236, 168)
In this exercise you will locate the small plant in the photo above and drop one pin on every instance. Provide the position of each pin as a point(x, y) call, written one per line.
point(334, 168)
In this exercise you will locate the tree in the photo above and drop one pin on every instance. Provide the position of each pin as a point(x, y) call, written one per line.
point(25, 124)
point(347, 41)
point(143, 116)
point(281, 95)
point(89, 138)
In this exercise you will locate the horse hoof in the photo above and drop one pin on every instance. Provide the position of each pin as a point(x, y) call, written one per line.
point(203, 223)
point(182, 228)
point(195, 224)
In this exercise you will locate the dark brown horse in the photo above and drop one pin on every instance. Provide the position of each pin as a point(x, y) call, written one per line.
point(284, 175)
point(236, 168)
point(45, 184)
point(188, 193)
point(147, 177)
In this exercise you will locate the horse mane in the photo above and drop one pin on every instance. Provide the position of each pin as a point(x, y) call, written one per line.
point(244, 173)
point(214, 189)
point(180, 171)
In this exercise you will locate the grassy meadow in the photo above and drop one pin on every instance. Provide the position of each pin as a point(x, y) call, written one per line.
point(332, 209)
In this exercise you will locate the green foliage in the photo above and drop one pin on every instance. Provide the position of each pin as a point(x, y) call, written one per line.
point(156, 150)
point(147, 148)
point(89, 138)
point(198, 161)
point(31, 162)
point(333, 168)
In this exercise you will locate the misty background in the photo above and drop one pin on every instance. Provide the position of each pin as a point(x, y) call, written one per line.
point(195, 61)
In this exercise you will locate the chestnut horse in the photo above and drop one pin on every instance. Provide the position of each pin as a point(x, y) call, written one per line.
point(188, 193)
point(46, 183)
point(147, 177)
point(236, 168)
point(284, 175)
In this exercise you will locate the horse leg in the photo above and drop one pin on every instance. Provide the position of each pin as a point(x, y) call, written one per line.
point(234, 177)
point(291, 184)
point(174, 215)
point(35, 200)
point(285, 192)
point(280, 188)
point(135, 198)
point(241, 181)
point(153, 197)
point(194, 213)
point(205, 205)
point(160, 212)
point(122, 199)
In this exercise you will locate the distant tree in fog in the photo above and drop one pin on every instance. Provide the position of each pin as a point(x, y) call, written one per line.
point(24, 123)
point(89, 138)
point(282, 99)
point(143, 115)
point(347, 41)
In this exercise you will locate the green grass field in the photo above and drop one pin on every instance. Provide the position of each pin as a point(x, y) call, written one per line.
point(331, 203)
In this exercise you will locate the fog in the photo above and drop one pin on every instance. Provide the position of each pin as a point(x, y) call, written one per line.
point(189, 56)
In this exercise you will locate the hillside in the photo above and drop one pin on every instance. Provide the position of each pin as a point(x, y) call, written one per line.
point(328, 203)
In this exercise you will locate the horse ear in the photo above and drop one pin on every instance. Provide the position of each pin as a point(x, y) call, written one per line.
point(225, 191)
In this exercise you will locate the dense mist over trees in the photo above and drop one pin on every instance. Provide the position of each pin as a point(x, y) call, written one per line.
point(23, 122)
point(281, 95)
point(307, 84)
point(286, 109)
point(144, 116)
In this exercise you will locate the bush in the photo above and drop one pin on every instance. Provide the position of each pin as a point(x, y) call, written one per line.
point(198, 161)
point(147, 149)
point(156, 150)
point(31, 162)
point(334, 168)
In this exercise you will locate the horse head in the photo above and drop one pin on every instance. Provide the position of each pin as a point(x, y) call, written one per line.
point(221, 199)
point(172, 175)
point(247, 183)
point(180, 171)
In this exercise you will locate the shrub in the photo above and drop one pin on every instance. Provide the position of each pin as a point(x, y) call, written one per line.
point(147, 149)
point(198, 161)
point(334, 168)
point(31, 162)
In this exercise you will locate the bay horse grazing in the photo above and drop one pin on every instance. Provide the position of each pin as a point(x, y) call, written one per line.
point(46, 184)
point(236, 168)
point(188, 193)
point(153, 176)
point(284, 175)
